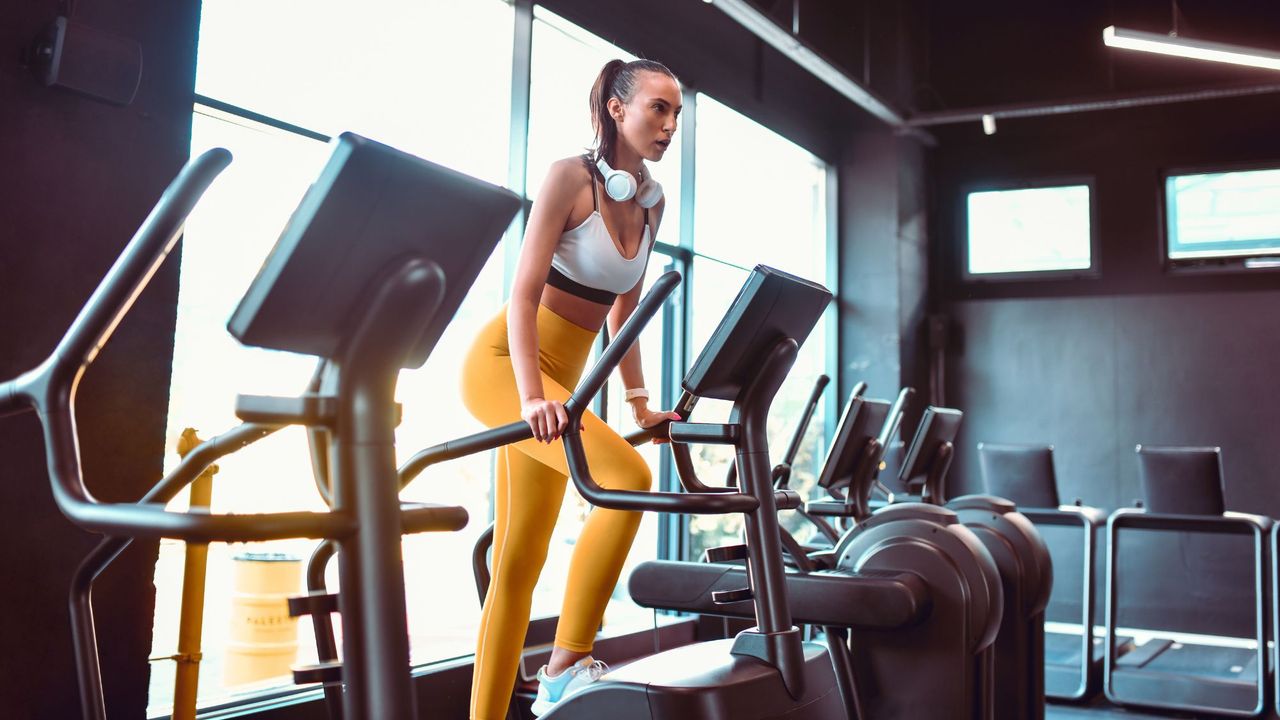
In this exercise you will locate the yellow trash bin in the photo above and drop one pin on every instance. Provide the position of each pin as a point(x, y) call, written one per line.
point(263, 641)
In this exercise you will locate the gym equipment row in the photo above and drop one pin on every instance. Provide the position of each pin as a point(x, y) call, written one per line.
point(1188, 661)
point(366, 276)
point(369, 271)
point(972, 579)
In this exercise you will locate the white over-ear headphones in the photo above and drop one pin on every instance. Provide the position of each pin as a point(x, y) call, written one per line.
point(621, 186)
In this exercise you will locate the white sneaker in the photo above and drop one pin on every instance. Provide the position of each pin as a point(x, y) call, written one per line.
point(552, 690)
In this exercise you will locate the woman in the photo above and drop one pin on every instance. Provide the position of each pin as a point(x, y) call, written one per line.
point(582, 263)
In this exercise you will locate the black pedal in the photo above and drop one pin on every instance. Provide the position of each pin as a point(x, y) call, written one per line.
point(330, 672)
point(316, 603)
point(829, 508)
point(705, 433)
point(725, 553)
point(725, 597)
point(310, 409)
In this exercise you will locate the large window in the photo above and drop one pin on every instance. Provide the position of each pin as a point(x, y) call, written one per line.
point(1025, 232)
point(778, 217)
point(432, 77)
point(391, 70)
point(1223, 214)
point(565, 62)
point(394, 90)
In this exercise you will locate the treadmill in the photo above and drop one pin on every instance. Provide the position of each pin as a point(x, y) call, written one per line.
point(366, 275)
point(1220, 670)
point(1073, 659)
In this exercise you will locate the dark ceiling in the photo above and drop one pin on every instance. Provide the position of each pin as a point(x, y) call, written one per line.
point(925, 56)
point(993, 52)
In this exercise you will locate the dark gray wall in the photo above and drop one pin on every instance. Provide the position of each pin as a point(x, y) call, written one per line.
point(883, 262)
point(1096, 375)
point(78, 178)
point(1138, 355)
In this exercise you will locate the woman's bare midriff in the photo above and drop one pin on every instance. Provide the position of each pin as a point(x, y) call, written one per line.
point(583, 313)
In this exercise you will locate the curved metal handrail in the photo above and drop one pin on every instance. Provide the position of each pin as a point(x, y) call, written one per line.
point(50, 390)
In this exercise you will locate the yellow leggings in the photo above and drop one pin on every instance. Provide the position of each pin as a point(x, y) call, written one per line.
point(529, 488)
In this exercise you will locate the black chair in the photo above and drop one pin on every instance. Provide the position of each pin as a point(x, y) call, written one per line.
point(1181, 480)
point(1021, 473)
point(1183, 493)
point(1025, 474)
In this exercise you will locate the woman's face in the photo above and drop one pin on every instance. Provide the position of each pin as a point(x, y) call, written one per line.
point(648, 122)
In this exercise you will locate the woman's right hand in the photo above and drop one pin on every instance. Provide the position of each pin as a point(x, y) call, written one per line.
point(546, 418)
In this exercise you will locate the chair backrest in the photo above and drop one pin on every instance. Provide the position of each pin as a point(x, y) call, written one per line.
point(1181, 480)
point(1021, 473)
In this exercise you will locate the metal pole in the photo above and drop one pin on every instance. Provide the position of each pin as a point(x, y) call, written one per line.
point(366, 486)
point(186, 680)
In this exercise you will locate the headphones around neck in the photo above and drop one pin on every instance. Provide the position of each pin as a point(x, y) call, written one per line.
point(621, 186)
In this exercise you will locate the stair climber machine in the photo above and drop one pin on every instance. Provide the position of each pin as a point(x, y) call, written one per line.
point(909, 600)
point(370, 269)
point(1020, 554)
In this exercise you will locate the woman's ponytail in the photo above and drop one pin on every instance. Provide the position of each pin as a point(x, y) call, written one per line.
point(606, 130)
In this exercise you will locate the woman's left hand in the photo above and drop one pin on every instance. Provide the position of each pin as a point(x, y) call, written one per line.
point(647, 418)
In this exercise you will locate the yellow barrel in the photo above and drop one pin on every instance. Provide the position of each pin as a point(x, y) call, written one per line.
point(263, 641)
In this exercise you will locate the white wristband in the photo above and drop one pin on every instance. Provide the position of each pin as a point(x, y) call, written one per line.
point(634, 393)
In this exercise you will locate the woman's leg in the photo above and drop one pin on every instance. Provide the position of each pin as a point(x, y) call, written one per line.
point(604, 543)
point(598, 555)
point(527, 499)
point(530, 488)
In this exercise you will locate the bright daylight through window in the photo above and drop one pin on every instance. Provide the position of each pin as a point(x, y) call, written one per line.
point(323, 79)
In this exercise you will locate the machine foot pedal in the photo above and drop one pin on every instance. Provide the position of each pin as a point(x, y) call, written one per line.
point(724, 597)
point(330, 672)
point(726, 553)
point(316, 603)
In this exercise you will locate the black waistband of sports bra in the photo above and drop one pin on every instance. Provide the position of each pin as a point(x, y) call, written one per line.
point(560, 281)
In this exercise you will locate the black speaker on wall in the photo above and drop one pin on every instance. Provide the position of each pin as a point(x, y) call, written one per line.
point(89, 61)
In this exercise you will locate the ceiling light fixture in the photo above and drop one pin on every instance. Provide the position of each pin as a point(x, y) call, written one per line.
point(1182, 47)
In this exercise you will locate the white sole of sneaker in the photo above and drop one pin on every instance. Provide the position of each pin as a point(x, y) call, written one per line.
point(541, 707)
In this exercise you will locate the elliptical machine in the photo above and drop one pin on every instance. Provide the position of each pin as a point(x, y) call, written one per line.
point(367, 274)
point(1018, 550)
point(767, 672)
point(916, 592)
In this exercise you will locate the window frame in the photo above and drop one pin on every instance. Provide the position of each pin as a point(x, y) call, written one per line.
point(673, 539)
point(1093, 272)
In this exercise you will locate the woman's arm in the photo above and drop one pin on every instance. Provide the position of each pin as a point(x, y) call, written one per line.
point(630, 368)
point(547, 221)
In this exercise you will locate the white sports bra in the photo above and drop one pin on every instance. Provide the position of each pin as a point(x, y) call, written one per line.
point(591, 263)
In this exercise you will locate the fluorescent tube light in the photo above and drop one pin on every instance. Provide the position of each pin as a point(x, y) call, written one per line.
point(1182, 47)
